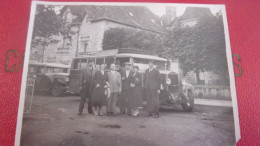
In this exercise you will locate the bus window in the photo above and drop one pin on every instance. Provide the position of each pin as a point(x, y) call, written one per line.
point(123, 60)
point(109, 61)
point(84, 63)
point(141, 60)
point(40, 70)
point(57, 70)
point(75, 64)
point(65, 70)
point(99, 61)
point(32, 69)
point(159, 64)
point(49, 70)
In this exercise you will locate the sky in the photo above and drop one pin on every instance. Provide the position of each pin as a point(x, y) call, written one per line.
point(160, 9)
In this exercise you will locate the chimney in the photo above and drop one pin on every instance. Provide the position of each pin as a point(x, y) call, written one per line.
point(170, 14)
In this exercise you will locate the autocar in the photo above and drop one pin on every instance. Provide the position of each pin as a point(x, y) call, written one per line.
point(50, 77)
point(174, 91)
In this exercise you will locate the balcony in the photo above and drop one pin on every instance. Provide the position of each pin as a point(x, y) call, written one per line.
point(63, 50)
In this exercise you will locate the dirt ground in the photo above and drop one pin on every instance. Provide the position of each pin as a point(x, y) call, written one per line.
point(53, 121)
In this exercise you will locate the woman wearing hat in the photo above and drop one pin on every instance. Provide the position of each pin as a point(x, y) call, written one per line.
point(98, 97)
point(137, 91)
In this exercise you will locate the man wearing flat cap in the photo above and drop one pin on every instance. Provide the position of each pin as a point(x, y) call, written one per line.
point(125, 101)
point(152, 83)
point(86, 85)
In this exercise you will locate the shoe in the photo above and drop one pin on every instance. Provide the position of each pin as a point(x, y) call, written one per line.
point(79, 113)
point(122, 113)
point(136, 113)
point(150, 114)
point(100, 114)
point(156, 115)
point(95, 112)
point(90, 111)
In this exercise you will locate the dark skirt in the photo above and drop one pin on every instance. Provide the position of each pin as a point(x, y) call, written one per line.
point(137, 97)
point(98, 97)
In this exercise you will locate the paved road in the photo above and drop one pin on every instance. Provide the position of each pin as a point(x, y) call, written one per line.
point(53, 122)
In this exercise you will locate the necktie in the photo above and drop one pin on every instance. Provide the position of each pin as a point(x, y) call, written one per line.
point(91, 73)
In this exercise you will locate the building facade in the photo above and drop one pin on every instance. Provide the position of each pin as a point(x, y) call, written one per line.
point(89, 24)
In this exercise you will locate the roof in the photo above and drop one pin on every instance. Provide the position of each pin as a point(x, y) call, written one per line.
point(195, 12)
point(75, 10)
point(50, 64)
point(149, 57)
point(138, 16)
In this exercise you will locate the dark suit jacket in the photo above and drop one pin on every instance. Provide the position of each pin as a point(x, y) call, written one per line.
point(126, 81)
point(100, 78)
point(152, 79)
point(86, 81)
point(137, 80)
point(84, 77)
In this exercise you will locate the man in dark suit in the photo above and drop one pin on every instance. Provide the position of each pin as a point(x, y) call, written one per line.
point(86, 80)
point(126, 99)
point(152, 83)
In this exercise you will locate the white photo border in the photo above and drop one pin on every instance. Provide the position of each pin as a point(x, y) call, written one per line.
point(28, 46)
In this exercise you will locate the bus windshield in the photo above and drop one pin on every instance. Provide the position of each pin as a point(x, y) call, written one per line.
point(160, 65)
point(81, 63)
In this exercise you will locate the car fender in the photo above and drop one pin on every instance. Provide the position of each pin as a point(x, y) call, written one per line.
point(186, 87)
point(55, 77)
point(50, 76)
point(44, 83)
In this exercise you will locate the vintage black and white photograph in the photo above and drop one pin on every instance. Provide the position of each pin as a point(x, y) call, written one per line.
point(127, 74)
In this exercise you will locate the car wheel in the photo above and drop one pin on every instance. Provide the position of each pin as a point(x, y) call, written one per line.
point(56, 90)
point(187, 101)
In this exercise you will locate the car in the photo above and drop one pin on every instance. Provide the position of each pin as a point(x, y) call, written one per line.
point(174, 90)
point(50, 77)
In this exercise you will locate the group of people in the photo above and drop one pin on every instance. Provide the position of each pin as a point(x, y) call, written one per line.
point(120, 87)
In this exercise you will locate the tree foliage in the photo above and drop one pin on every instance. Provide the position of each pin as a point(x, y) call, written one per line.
point(47, 25)
point(120, 38)
point(201, 47)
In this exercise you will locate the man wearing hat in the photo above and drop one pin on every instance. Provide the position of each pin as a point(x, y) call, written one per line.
point(118, 68)
point(86, 85)
point(125, 101)
point(152, 83)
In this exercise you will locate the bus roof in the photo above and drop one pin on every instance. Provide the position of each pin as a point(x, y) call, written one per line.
point(149, 57)
point(50, 64)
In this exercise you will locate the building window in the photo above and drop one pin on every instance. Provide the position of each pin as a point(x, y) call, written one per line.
point(63, 51)
point(85, 47)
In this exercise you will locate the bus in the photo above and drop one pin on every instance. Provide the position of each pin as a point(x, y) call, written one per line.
point(173, 90)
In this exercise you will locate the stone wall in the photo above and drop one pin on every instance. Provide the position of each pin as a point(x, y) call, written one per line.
point(92, 34)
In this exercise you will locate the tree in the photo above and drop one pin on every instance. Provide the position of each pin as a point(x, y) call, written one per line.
point(120, 38)
point(47, 25)
point(201, 47)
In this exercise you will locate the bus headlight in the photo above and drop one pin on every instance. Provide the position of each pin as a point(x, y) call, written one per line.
point(168, 81)
point(66, 79)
